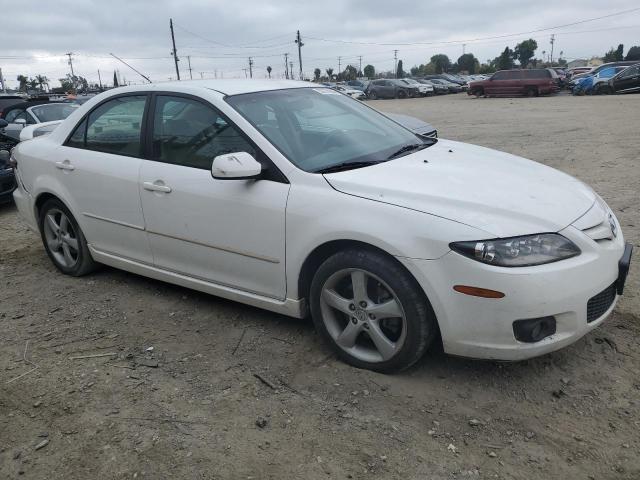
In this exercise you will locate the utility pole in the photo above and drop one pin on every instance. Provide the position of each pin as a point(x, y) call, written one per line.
point(286, 66)
point(99, 79)
point(245, 72)
point(174, 53)
point(4, 86)
point(360, 59)
point(189, 62)
point(553, 39)
point(339, 63)
point(291, 70)
point(300, 45)
point(70, 62)
point(250, 67)
point(395, 60)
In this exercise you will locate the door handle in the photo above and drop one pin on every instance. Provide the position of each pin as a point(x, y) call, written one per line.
point(156, 187)
point(66, 165)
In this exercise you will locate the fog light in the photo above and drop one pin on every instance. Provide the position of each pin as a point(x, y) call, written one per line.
point(533, 330)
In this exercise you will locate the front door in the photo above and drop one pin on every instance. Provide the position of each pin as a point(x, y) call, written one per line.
point(628, 81)
point(229, 232)
point(99, 166)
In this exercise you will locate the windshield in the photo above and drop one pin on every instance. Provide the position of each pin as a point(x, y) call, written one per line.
point(53, 111)
point(317, 128)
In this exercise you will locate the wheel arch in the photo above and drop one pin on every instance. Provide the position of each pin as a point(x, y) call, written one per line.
point(41, 198)
point(323, 251)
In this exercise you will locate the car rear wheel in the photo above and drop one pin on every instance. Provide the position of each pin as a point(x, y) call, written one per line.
point(63, 240)
point(401, 94)
point(371, 311)
point(531, 92)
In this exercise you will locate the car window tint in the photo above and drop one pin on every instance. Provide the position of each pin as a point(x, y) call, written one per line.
point(76, 140)
point(115, 126)
point(536, 74)
point(513, 75)
point(189, 133)
point(500, 75)
point(14, 115)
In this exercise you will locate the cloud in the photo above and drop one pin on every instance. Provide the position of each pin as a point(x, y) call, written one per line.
point(35, 38)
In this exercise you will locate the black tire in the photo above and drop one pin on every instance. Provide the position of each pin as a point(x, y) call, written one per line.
point(84, 263)
point(372, 95)
point(401, 94)
point(531, 92)
point(421, 325)
point(478, 92)
point(603, 90)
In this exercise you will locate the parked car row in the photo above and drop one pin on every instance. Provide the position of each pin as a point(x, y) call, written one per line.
point(614, 77)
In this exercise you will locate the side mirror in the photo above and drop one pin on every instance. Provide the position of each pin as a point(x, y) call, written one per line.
point(20, 121)
point(3, 123)
point(235, 166)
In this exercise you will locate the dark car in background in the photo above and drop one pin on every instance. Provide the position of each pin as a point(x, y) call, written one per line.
point(627, 81)
point(358, 84)
point(450, 86)
point(533, 82)
point(8, 100)
point(390, 88)
point(438, 88)
point(7, 177)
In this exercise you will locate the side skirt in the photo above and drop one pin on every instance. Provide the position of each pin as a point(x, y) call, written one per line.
point(289, 307)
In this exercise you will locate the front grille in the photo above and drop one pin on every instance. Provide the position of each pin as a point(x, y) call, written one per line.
point(597, 305)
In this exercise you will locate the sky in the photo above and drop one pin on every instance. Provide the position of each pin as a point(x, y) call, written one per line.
point(219, 36)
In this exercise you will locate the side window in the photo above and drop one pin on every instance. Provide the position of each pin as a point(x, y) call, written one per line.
point(514, 75)
point(116, 125)
point(500, 75)
point(189, 133)
point(14, 115)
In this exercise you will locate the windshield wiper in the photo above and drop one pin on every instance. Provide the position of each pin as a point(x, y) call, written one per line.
point(340, 167)
point(408, 148)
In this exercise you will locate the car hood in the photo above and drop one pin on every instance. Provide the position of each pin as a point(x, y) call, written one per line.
point(502, 194)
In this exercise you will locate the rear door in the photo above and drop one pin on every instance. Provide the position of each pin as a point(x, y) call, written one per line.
point(99, 166)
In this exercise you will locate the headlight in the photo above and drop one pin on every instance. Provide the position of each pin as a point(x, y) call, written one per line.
point(519, 251)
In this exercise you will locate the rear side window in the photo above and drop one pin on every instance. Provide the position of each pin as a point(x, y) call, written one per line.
point(189, 133)
point(537, 74)
point(116, 126)
point(500, 75)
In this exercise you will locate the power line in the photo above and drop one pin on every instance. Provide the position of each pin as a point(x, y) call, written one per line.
point(481, 38)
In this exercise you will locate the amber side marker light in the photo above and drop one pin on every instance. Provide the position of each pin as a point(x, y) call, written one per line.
point(478, 292)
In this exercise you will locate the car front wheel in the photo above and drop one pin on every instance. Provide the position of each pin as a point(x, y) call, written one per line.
point(371, 311)
point(63, 240)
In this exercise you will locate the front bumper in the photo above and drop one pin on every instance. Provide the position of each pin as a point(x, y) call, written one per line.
point(483, 328)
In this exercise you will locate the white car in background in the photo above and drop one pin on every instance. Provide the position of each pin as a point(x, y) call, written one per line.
point(352, 92)
point(423, 88)
point(19, 118)
point(297, 199)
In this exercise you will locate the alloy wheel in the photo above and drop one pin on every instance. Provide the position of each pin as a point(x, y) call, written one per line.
point(363, 315)
point(61, 238)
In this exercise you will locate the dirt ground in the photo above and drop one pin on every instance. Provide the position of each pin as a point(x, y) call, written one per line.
point(195, 406)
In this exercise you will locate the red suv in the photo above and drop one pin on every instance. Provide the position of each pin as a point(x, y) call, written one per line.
point(539, 81)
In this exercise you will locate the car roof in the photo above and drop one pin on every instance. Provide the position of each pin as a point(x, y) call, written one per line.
point(226, 87)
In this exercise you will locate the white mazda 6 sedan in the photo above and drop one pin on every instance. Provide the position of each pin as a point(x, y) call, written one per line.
point(296, 199)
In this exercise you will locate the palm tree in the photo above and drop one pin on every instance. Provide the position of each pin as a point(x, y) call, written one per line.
point(42, 80)
point(269, 71)
point(329, 73)
point(23, 82)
